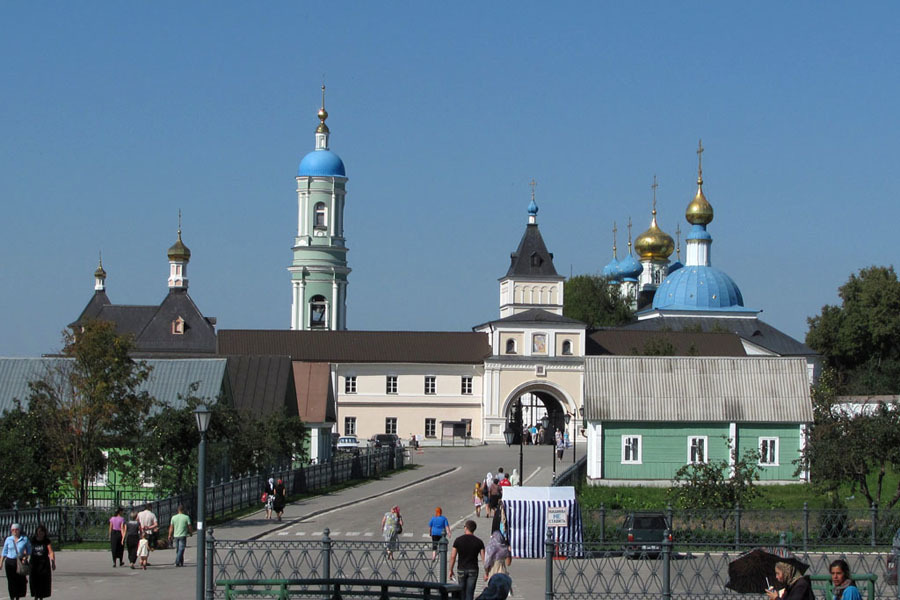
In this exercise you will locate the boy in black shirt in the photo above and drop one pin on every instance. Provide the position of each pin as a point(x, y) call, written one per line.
point(470, 550)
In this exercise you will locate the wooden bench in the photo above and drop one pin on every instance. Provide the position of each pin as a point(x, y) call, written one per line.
point(383, 589)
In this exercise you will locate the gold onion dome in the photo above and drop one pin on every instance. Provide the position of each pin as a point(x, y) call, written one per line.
point(654, 244)
point(179, 251)
point(699, 211)
point(100, 273)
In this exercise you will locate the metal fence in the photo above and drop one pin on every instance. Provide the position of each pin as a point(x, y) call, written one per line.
point(87, 523)
point(600, 571)
point(573, 476)
point(803, 529)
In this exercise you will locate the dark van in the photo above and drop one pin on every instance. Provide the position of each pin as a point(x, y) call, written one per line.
point(644, 533)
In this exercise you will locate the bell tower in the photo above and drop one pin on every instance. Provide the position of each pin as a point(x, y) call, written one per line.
point(319, 270)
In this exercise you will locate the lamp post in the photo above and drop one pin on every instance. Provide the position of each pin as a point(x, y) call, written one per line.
point(545, 421)
point(510, 435)
point(203, 415)
point(574, 434)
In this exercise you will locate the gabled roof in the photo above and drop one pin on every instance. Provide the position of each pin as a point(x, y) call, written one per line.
point(624, 342)
point(531, 258)
point(262, 384)
point(534, 315)
point(359, 346)
point(752, 329)
point(315, 396)
point(170, 380)
point(681, 389)
point(94, 306)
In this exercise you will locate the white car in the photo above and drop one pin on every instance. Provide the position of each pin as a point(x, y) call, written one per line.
point(347, 443)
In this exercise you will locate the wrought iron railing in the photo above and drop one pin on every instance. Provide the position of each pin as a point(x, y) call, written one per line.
point(67, 523)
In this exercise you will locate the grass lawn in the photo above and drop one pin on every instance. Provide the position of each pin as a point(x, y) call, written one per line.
point(773, 496)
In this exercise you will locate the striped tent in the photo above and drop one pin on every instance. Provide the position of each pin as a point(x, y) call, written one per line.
point(526, 518)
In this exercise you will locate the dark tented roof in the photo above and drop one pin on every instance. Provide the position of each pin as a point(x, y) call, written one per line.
point(535, 315)
point(262, 384)
point(753, 330)
point(625, 342)
point(359, 346)
point(531, 258)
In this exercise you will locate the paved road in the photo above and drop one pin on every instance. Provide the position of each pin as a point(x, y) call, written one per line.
point(444, 478)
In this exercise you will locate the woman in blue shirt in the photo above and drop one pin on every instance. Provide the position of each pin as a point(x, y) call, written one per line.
point(16, 545)
point(438, 525)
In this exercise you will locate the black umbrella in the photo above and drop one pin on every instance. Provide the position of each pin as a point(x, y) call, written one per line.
point(748, 572)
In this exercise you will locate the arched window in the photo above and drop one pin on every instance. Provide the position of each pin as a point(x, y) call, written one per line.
point(567, 347)
point(318, 312)
point(321, 217)
point(510, 346)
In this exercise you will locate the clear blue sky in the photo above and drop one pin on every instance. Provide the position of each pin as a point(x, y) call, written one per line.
point(115, 115)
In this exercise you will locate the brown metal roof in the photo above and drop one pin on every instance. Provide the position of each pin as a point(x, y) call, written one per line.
point(633, 342)
point(262, 384)
point(359, 346)
point(315, 396)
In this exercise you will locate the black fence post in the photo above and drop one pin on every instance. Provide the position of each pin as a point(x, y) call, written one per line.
point(210, 556)
point(666, 565)
point(873, 510)
point(442, 549)
point(326, 554)
point(602, 523)
point(806, 526)
point(737, 526)
point(548, 566)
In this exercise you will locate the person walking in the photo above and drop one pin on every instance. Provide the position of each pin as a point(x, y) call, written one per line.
point(438, 526)
point(43, 563)
point(494, 494)
point(131, 534)
point(116, 545)
point(280, 499)
point(269, 497)
point(143, 550)
point(497, 556)
point(16, 547)
point(560, 446)
point(391, 528)
point(150, 525)
point(478, 498)
point(179, 529)
point(468, 550)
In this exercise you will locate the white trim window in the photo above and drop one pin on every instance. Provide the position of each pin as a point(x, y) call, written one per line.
point(390, 384)
point(768, 451)
point(430, 428)
point(631, 450)
point(430, 385)
point(350, 384)
point(466, 386)
point(697, 449)
point(390, 425)
point(349, 425)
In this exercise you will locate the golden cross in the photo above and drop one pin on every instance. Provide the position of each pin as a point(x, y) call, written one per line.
point(533, 185)
point(323, 91)
point(179, 221)
point(678, 238)
point(654, 186)
point(615, 230)
point(700, 158)
point(629, 232)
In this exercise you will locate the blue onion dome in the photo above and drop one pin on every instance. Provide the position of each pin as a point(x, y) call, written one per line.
point(321, 163)
point(674, 267)
point(611, 270)
point(698, 288)
point(532, 208)
point(630, 268)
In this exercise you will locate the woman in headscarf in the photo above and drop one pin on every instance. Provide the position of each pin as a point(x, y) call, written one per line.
point(15, 547)
point(496, 556)
point(43, 563)
point(485, 490)
point(796, 586)
point(514, 478)
point(270, 497)
point(391, 526)
point(280, 499)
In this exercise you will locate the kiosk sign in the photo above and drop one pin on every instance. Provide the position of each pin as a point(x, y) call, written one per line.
point(557, 516)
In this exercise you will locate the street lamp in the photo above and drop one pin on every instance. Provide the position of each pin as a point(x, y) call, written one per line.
point(574, 434)
point(545, 421)
point(510, 435)
point(203, 415)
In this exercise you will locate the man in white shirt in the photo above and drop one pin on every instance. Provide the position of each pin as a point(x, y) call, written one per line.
point(149, 524)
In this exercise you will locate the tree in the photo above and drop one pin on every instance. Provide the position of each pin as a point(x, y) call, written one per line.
point(713, 485)
point(860, 339)
point(591, 299)
point(25, 462)
point(91, 403)
point(844, 447)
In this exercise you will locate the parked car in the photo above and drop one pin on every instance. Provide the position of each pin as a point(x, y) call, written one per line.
point(386, 440)
point(644, 533)
point(347, 443)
